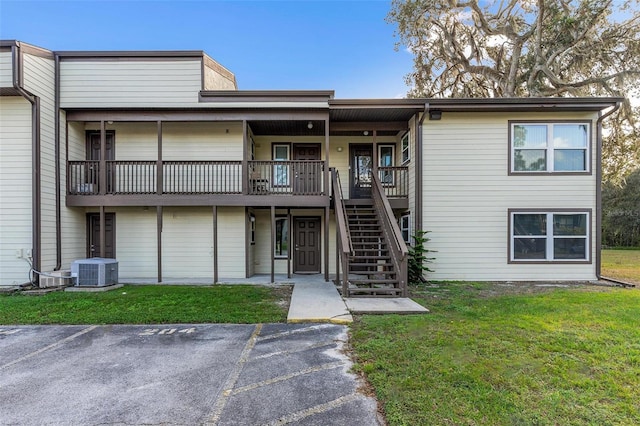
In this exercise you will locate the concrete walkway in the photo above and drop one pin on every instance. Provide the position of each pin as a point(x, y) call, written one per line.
point(315, 300)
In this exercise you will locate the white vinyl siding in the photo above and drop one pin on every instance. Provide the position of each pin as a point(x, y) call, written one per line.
point(39, 79)
point(6, 69)
point(15, 188)
point(130, 83)
point(467, 193)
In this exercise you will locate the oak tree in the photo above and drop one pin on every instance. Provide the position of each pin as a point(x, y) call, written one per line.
point(528, 48)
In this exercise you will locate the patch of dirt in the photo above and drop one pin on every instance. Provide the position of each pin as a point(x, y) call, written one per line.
point(493, 289)
point(283, 293)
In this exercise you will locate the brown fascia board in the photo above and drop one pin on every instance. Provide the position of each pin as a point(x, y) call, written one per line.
point(413, 103)
point(127, 54)
point(265, 95)
point(522, 104)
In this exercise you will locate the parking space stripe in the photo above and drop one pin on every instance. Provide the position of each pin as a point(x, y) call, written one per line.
point(227, 388)
point(49, 347)
point(293, 351)
point(296, 331)
point(295, 417)
point(322, 367)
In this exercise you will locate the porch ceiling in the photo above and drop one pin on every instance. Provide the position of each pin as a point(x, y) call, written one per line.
point(287, 127)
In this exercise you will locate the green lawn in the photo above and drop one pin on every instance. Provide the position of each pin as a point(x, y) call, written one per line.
point(621, 264)
point(562, 357)
point(150, 305)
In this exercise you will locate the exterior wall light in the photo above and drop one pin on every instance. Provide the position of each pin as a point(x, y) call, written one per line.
point(309, 125)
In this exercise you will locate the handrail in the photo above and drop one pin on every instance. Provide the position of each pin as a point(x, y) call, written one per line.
point(345, 248)
point(397, 246)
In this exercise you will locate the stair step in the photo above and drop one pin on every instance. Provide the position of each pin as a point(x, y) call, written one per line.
point(373, 281)
point(363, 257)
point(386, 264)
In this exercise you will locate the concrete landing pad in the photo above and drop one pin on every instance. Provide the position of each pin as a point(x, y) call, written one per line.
point(400, 305)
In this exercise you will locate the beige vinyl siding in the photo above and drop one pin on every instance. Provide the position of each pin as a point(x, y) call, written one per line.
point(130, 83)
point(136, 248)
point(231, 242)
point(467, 193)
point(15, 188)
point(187, 243)
point(134, 141)
point(6, 69)
point(411, 175)
point(202, 141)
point(74, 221)
point(39, 79)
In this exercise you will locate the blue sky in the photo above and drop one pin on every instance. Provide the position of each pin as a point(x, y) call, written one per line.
point(344, 46)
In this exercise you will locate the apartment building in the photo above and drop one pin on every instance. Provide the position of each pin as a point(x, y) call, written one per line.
point(158, 160)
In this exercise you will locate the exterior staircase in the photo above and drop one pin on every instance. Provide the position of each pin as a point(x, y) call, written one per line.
point(371, 271)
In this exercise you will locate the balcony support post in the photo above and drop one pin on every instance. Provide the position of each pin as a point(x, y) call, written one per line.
point(103, 161)
point(159, 240)
point(245, 155)
point(273, 243)
point(374, 159)
point(103, 233)
point(159, 168)
point(327, 174)
point(290, 253)
point(215, 244)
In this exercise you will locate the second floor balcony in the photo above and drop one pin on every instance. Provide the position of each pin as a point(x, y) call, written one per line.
point(120, 182)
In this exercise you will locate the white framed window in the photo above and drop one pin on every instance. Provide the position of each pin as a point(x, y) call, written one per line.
point(386, 158)
point(282, 237)
point(406, 148)
point(405, 227)
point(281, 152)
point(549, 236)
point(539, 147)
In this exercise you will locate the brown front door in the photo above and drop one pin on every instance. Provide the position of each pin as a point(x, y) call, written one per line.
point(93, 235)
point(361, 166)
point(306, 257)
point(307, 176)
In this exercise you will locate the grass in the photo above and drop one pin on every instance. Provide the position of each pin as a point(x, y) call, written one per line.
point(622, 264)
point(149, 305)
point(569, 357)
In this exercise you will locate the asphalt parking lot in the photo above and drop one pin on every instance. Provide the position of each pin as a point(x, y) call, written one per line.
point(271, 374)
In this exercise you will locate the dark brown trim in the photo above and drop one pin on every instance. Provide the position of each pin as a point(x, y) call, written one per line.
point(245, 156)
point(273, 242)
point(367, 125)
point(589, 158)
point(130, 54)
point(325, 244)
point(327, 154)
point(9, 91)
point(159, 225)
point(58, 177)
point(103, 233)
point(215, 244)
point(599, 188)
point(159, 168)
point(150, 114)
point(141, 200)
point(406, 103)
point(251, 96)
point(419, 152)
point(289, 252)
point(551, 262)
point(523, 104)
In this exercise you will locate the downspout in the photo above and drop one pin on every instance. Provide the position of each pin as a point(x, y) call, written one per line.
point(56, 108)
point(418, 184)
point(599, 188)
point(35, 158)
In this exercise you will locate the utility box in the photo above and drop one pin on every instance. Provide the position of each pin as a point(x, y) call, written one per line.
point(95, 272)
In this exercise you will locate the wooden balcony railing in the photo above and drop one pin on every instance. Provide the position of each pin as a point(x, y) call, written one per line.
point(301, 177)
point(196, 177)
point(395, 181)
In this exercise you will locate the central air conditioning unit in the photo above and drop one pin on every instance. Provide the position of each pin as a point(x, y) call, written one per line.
point(95, 272)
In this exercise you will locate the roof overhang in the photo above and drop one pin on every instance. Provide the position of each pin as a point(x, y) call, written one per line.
point(522, 104)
